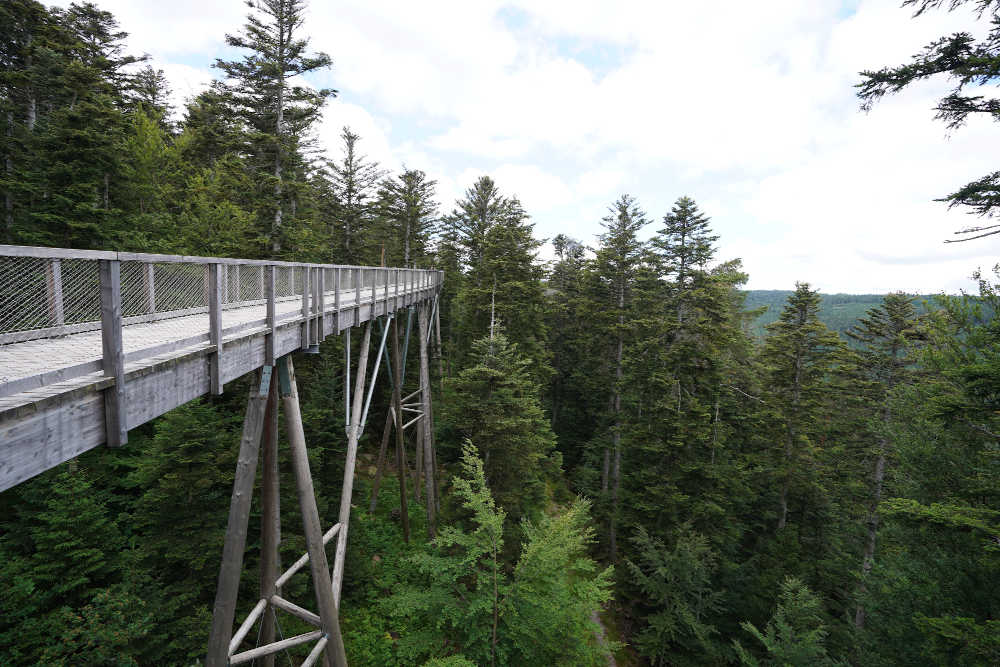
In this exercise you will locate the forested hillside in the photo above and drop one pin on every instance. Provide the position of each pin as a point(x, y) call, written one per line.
point(838, 311)
point(618, 436)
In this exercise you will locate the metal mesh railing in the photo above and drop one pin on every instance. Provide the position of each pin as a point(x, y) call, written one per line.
point(51, 303)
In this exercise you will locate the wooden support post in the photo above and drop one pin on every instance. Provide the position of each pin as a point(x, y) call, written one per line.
point(424, 427)
point(337, 286)
point(398, 407)
point(215, 288)
point(320, 307)
point(272, 315)
point(113, 355)
point(270, 518)
point(358, 279)
point(380, 466)
point(347, 490)
point(310, 514)
point(236, 529)
point(306, 288)
point(54, 292)
point(149, 283)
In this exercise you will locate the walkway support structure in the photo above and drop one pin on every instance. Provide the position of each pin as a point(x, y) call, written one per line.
point(95, 343)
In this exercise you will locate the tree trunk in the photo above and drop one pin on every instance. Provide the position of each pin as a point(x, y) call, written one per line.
point(8, 201)
point(790, 442)
point(617, 435)
point(280, 119)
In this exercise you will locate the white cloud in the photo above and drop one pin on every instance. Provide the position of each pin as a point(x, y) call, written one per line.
point(748, 108)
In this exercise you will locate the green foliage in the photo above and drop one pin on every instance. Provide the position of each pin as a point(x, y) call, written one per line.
point(677, 585)
point(494, 402)
point(465, 599)
point(796, 632)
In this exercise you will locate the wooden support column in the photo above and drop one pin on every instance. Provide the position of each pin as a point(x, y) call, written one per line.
point(310, 515)
point(398, 407)
point(354, 432)
point(113, 355)
point(390, 418)
point(425, 435)
point(270, 519)
point(236, 528)
point(215, 288)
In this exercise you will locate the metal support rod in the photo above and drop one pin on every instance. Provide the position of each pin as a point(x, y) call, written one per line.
point(371, 387)
point(352, 452)
point(310, 514)
point(236, 530)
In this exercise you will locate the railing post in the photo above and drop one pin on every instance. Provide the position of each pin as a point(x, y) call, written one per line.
point(54, 292)
point(306, 275)
point(336, 300)
point(320, 306)
point(371, 314)
point(236, 283)
point(358, 276)
point(215, 297)
point(267, 279)
point(114, 357)
point(147, 276)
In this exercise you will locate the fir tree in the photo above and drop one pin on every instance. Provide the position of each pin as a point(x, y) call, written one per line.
point(495, 403)
point(278, 114)
point(408, 213)
point(353, 182)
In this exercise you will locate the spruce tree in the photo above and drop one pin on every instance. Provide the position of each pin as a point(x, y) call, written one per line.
point(800, 352)
point(408, 214)
point(277, 113)
point(495, 403)
point(353, 184)
point(617, 265)
point(888, 335)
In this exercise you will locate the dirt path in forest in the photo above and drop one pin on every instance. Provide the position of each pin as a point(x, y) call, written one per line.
point(602, 636)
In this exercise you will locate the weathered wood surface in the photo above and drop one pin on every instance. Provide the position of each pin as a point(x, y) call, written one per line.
point(54, 422)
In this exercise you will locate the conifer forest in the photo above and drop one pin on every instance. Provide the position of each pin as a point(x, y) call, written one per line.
point(641, 462)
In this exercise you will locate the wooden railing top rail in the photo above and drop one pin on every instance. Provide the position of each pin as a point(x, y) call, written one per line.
point(68, 253)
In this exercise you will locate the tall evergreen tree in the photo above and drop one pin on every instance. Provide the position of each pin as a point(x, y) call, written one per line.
point(617, 264)
point(278, 114)
point(353, 182)
point(408, 213)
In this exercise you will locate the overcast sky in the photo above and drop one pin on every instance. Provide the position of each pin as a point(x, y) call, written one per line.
point(749, 108)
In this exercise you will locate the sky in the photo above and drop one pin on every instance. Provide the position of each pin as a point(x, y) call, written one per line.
point(748, 108)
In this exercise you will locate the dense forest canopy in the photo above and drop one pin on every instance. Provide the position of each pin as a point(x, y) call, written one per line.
point(638, 461)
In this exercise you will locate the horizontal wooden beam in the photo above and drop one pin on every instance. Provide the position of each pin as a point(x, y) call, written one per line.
point(276, 647)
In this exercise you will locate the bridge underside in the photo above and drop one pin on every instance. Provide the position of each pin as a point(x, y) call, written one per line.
point(58, 419)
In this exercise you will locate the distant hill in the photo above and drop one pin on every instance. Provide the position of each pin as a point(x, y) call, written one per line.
point(837, 311)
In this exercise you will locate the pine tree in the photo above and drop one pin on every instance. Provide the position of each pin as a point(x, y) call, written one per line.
point(277, 113)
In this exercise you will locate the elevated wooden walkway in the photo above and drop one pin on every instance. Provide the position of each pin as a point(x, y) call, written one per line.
point(95, 343)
